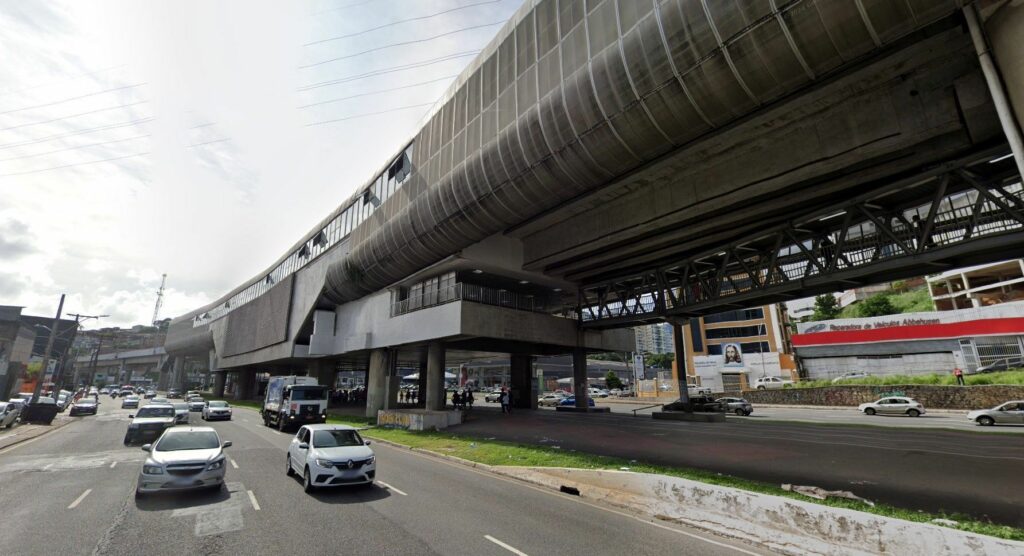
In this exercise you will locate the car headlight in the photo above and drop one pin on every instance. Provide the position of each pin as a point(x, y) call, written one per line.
point(324, 463)
point(370, 460)
point(215, 465)
point(152, 470)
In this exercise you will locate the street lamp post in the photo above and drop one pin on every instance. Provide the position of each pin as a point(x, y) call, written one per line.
point(46, 354)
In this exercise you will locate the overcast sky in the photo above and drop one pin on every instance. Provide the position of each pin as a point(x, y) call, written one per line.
point(144, 137)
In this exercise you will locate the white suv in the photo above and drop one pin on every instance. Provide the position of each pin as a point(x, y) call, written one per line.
point(331, 455)
point(771, 383)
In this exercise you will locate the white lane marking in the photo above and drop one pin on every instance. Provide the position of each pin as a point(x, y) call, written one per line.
point(389, 487)
point(79, 499)
point(575, 499)
point(511, 549)
point(233, 464)
point(47, 467)
point(252, 498)
point(113, 465)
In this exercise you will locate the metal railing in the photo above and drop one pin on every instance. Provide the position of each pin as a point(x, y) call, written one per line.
point(481, 294)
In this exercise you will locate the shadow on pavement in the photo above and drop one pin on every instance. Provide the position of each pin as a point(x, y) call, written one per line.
point(161, 501)
point(351, 494)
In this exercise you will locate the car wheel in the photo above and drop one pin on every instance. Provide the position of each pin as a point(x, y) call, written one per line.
point(740, 413)
point(914, 413)
point(869, 411)
point(288, 459)
point(138, 493)
point(986, 421)
point(761, 388)
point(307, 482)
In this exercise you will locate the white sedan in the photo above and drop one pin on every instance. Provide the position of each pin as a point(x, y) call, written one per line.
point(331, 455)
point(9, 413)
point(893, 405)
point(550, 400)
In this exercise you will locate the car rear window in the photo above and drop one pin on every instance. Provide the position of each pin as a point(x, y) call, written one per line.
point(150, 411)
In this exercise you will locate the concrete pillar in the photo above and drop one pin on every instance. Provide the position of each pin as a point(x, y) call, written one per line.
point(178, 373)
point(324, 371)
point(392, 383)
point(244, 380)
point(680, 361)
point(579, 377)
point(211, 372)
point(1003, 30)
point(161, 381)
point(219, 378)
point(436, 397)
point(421, 387)
point(376, 381)
point(524, 394)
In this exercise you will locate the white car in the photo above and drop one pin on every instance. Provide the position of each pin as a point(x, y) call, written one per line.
point(1011, 413)
point(9, 414)
point(216, 409)
point(550, 400)
point(331, 455)
point(771, 383)
point(893, 405)
point(184, 458)
point(848, 376)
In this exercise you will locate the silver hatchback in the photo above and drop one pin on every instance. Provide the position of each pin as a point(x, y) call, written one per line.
point(184, 458)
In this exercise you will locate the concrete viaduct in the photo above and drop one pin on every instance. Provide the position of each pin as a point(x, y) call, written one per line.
point(605, 163)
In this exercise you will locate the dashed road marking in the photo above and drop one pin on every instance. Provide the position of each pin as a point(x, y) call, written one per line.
point(507, 547)
point(391, 488)
point(233, 464)
point(78, 500)
point(252, 498)
point(113, 464)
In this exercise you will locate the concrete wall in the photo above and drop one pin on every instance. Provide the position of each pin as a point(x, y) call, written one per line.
point(932, 397)
point(909, 364)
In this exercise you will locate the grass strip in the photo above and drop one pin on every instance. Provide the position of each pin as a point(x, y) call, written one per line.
point(495, 452)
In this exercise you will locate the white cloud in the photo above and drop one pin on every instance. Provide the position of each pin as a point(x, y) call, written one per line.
point(101, 194)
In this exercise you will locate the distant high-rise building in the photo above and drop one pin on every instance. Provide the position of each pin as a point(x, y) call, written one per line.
point(654, 338)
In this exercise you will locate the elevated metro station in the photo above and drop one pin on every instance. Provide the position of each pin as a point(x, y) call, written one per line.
point(603, 164)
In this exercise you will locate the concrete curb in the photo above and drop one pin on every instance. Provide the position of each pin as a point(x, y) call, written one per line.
point(850, 408)
point(50, 428)
point(785, 525)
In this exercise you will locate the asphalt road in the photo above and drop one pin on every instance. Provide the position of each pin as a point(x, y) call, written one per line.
point(932, 470)
point(72, 492)
point(955, 420)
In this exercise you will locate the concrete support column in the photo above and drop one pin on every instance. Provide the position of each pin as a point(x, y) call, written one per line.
point(436, 398)
point(392, 383)
point(324, 371)
point(244, 380)
point(219, 379)
point(178, 373)
point(376, 382)
point(421, 387)
point(579, 377)
point(161, 381)
point(524, 394)
point(679, 342)
point(211, 372)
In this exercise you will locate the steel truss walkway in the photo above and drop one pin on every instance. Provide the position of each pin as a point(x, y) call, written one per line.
point(963, 212)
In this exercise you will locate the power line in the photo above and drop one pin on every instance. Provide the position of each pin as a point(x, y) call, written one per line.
point(342, 7)
point(61, 80)
point(77, 132)
point(406, 43)
point(393, 23)
point(73, 98)
point(73, 165)
point(73, 148)
point(75, 115)
point(378, 92)
point(353, 117)
point(208, 143)
point(393, 69)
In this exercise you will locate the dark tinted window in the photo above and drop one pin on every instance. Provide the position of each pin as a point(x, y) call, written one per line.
point(150, 411)
point(198, 440)
point(332, 439)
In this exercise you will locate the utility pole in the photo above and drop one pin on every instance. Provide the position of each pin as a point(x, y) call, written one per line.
point(78, 320)
point(159, 299)
point(49, 348)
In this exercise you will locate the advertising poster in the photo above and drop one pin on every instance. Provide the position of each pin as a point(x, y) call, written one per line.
point(733, 355)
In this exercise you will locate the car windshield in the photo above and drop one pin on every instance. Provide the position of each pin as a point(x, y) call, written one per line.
point(218, 404)
point(181, 406)
point(150, 411)
point(333, 439)
point(85, 401)
point(195, 400)
point(308, 393)
point(191, 440)
point(3, 406)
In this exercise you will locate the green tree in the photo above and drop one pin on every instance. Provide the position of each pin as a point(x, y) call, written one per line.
point(826, 307)
point(660, 360)
point(609, 356)
point(877, 306)
point(611, 380)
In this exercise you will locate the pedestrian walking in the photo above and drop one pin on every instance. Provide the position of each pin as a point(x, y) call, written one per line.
point(504, 399)
point(469, 399)
point(959, 374)
point(456, 399)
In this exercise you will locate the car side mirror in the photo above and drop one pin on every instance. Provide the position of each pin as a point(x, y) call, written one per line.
point(227, 444)
point(147, 447)
point(304, 446)
point(131, 415)
point(367, 442)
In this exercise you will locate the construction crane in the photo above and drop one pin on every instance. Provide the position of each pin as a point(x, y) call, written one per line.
point(159, 300)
